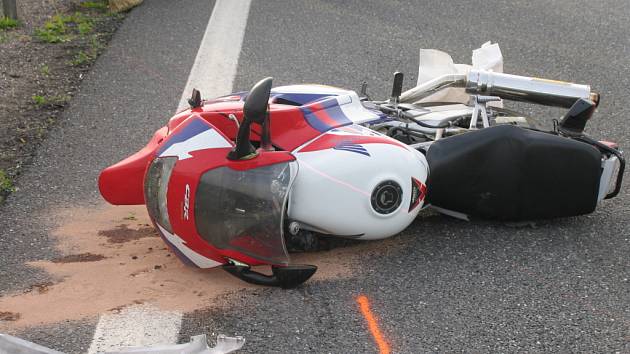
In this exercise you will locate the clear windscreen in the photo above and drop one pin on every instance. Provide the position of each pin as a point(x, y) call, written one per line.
point(243, 210)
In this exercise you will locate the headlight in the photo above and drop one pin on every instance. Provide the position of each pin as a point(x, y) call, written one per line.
point(155, 189)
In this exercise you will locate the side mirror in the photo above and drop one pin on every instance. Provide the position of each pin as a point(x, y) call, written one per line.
point(397, 87)
point(254, 111)
point(256, 102)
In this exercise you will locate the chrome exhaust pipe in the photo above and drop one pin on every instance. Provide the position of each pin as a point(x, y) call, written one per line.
point(527, 89)
point(430, 87)
point(508, 87)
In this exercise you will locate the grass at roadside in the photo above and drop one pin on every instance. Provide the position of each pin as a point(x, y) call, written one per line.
point(64, 28)
point(77, 27)
point(98, 5)
point(58, 100)
point(44, 70)
point(6, 185)
point(8, 23)
point(94, 48)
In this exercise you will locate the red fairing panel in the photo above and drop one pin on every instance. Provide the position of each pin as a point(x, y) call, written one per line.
point(122, 183)
point(196, 148)
point(289, 129)
point(188, 173)
point(288, 126)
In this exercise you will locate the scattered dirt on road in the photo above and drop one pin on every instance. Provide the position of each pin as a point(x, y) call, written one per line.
point(122, 233)
point(82, 257)
point(139, 270)
point(9, 316)
point(39, 288)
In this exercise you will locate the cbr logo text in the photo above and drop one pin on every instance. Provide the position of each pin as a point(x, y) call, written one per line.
point(186, 201)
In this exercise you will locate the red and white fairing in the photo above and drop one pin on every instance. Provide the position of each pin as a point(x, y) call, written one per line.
point(339, 173)
point(341, 170)
point(327, 174)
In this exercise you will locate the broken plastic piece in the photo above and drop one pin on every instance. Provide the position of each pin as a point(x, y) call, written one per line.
point(197, 345)
point(10, 344)
point(435, 64)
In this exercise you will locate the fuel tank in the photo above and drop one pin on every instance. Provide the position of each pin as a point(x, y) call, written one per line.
point(354, 182)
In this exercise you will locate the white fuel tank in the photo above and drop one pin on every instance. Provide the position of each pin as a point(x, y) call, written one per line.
point(355, 182)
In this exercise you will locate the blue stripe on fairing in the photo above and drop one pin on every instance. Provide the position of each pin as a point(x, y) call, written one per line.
point(331, 108)
point(337, 114)
point(362, 152)
point(328, 103)
point(351, 147)
point(178, 253)
point(193, 128)
point(382, 117)
point(348, 143)
point(300, 98)
point(313, 121)
point(242, 94)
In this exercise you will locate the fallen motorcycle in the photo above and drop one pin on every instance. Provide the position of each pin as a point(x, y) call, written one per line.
point(230, 181)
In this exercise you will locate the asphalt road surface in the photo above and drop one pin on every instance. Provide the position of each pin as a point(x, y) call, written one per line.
point(443, 285)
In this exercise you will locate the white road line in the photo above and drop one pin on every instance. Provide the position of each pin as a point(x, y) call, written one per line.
point(213, 74)
point(141, 325)
point(215, 66)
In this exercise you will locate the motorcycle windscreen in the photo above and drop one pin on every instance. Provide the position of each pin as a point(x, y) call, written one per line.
point(243, 210)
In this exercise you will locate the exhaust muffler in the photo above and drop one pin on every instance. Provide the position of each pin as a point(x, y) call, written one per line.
point(527, 89)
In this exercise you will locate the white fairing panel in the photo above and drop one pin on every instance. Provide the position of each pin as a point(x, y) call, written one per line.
point(338, 174)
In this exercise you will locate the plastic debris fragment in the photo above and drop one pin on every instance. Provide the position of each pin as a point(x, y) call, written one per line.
point(197, 345)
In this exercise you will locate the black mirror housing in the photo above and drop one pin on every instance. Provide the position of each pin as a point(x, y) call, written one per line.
point(397, 87)
point(256, 102)
point(254, 111)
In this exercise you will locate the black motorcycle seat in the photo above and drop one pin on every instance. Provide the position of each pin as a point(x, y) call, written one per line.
point(511, 173)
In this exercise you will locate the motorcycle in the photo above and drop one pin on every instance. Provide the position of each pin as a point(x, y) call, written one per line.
point(238, 180)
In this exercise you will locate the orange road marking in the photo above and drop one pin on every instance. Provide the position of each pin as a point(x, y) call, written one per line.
point(364, 306)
